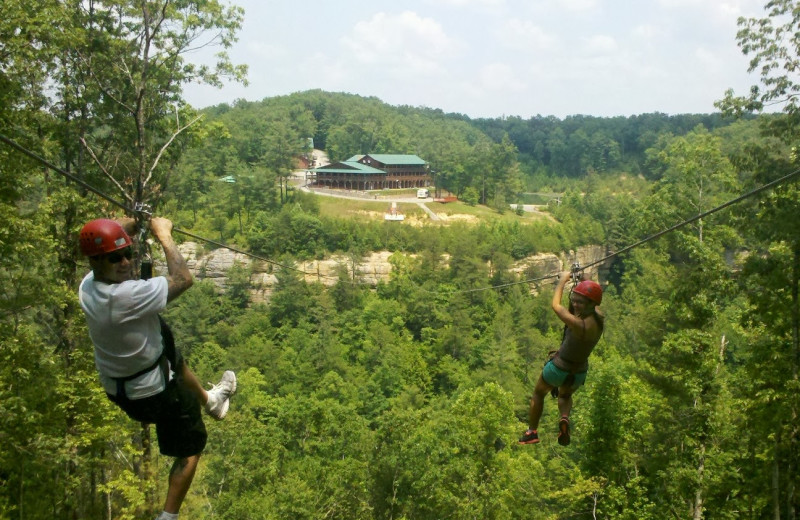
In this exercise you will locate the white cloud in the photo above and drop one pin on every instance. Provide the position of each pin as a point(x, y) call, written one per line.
point(707, 59)
point(673, 4)
point(492, 57)
point(731, 10)
point(500, 77)
point(651, 72)
point(648, 32)
point(323, 69)
point(471, 3)
point(265, 50)
point(578, 5)
point(720, 12)
point(601, 44)
point(524, 35)
point(406, 41)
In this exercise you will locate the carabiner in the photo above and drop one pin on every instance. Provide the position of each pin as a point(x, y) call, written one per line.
point(144, 209)
point(577, 272)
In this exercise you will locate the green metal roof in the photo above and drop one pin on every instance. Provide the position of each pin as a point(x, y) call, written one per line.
point(391, 159)
point(353, 167)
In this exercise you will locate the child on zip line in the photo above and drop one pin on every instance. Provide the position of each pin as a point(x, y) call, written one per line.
point(566, 371)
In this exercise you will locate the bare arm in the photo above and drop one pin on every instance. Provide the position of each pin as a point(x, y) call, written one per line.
point(573, 322)
point(129, 225)
point(179, 278)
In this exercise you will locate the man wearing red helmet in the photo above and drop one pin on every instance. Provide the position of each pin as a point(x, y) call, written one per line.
point(566, 371)
point(139, 366)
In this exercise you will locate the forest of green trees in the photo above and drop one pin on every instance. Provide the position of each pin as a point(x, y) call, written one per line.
point(402, 400)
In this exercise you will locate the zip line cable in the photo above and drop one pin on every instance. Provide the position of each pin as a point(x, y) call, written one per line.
point(110, 199)
point(102, 195)
point(654, 236)
point(697, 217)
point(651, 237)
point(235, 250)
point(509, 284)
point(65, 173)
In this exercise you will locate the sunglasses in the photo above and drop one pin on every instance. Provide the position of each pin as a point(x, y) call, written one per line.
point(117, 256)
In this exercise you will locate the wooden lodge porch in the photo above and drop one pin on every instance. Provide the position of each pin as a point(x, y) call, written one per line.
point(373, 172)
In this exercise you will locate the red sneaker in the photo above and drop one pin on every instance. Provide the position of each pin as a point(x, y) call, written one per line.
point(563, 430)
point(529, 437)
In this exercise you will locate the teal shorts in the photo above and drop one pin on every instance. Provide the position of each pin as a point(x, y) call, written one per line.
point(554, 376)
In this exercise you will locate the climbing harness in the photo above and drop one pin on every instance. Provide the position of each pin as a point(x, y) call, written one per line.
point(167, 361)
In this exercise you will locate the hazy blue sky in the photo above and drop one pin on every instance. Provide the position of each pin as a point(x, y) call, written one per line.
point(489, 58)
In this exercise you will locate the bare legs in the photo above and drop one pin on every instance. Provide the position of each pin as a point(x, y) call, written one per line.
point(183, 469)
point(180, 478)
point(193, 384)
point(564, 402)
point(537, 402)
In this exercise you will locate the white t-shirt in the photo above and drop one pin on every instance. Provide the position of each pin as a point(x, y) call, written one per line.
point(124, 327)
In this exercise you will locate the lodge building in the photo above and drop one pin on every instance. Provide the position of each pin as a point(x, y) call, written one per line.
point(373, 172)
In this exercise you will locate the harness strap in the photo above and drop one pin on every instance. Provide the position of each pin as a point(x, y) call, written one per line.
point(166, 359)
point(120, 381)
point(568, 381)
point(554, 354)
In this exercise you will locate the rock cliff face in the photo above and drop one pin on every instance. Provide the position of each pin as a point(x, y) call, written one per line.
point(545, 264)
point(214, 266)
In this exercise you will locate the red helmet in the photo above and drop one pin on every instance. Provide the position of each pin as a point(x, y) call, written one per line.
point(102, 236)
point(591, 290)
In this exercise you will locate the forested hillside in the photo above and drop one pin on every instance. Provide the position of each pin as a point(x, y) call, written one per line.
point(404, 399)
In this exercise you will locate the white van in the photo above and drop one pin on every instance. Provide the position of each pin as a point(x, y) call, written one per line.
point(423, 193)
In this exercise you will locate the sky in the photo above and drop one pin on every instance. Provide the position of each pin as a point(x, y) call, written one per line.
point(494, 58)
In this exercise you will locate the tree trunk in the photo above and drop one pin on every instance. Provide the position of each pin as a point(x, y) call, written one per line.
point(776, 474)
point(148, 469)
point(791, 513)
point(697, 507)
point(21, 492)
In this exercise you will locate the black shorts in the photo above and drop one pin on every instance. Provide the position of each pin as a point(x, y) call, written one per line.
point(178, 417)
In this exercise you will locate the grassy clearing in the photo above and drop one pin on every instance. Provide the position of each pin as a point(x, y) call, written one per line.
point(364, 209)
point(538, 198)
point(450, 212)
point(483, 213)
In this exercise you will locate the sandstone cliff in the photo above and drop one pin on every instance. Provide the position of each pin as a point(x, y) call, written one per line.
point(214, 265)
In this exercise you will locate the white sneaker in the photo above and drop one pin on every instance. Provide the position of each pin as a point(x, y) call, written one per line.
point(220, 394)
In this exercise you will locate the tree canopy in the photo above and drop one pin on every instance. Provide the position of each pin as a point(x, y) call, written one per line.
point(401, 399)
